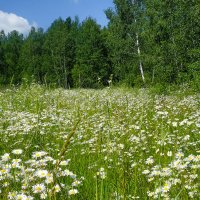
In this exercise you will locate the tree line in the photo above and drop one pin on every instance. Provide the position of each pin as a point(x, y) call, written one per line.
point(146, 42)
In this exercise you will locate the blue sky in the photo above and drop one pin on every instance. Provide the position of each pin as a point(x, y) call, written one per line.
point(21, 14)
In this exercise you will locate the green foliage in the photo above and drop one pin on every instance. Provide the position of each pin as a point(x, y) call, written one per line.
point(146, 43)
point(2, 57)
point(31, 56)
point(59, 56)
point(13, 45)
point(90, 56)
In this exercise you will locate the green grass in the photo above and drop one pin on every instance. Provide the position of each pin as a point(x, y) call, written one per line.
point(117, 144)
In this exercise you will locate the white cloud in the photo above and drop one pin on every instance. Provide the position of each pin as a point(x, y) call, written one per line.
point(10, 22)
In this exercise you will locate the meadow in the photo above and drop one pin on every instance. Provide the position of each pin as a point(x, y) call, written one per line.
point(109, 144)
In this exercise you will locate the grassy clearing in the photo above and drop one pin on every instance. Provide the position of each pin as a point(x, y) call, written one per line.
point(124, 145)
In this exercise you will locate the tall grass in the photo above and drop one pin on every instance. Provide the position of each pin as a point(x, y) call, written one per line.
point(98, 144)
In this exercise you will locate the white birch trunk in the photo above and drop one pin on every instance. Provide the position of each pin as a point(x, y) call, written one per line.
point(139, 54)
point(138, 51)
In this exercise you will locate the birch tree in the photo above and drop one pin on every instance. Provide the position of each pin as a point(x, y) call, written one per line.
point(137, 42)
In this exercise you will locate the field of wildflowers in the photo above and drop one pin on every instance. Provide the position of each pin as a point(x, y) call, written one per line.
point(108, 144)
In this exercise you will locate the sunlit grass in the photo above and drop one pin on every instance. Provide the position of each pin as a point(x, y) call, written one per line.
point(98, 144)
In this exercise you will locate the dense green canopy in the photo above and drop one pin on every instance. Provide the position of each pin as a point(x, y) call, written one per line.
point(145, 43)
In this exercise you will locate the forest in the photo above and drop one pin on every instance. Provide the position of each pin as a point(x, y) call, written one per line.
point(146, 43)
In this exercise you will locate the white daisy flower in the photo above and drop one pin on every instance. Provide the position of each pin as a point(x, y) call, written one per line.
point(38, 188)
point(17, 151)
point(72, 191)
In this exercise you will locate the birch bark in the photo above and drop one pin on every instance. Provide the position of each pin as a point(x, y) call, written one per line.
point(138, 51)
